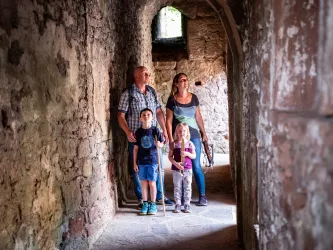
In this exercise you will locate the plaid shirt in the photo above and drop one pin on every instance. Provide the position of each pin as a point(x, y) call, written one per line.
point(139, 102)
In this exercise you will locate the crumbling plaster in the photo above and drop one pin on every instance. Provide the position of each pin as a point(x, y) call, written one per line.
point(55, 168)
point(294, 139)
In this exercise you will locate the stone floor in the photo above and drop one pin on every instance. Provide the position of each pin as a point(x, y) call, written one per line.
point(210, 227)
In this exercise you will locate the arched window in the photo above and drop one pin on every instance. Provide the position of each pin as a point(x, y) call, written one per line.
point(170, 24)
point(169, 35)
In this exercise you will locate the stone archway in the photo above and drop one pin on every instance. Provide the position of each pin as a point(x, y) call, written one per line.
point(235, 57)
point(235, 92)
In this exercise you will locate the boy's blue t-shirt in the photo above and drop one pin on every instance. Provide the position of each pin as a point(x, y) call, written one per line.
point(147, 154)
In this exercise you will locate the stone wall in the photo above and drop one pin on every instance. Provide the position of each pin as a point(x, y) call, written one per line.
point(63, 66)
point(206, 64)
point(62, 69)
point(288, 116)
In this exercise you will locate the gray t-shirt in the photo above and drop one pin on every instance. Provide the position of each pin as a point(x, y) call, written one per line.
point(184, 113)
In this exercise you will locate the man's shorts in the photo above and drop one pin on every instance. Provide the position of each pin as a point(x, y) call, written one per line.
point(148, 172)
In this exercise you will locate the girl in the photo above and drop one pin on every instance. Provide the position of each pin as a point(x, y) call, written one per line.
point(183, 106)
point(182, 171)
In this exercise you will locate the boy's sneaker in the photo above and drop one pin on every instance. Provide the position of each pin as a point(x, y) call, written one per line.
point(177, 209)
point(140, 204)
point(202, 200)
point(167, 202)
point(152, 208)
point(145, 208)
point(187, 209)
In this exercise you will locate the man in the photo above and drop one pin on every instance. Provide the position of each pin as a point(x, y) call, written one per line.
point(134, 99)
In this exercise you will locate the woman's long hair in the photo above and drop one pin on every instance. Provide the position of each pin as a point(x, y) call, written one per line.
point(174, 88)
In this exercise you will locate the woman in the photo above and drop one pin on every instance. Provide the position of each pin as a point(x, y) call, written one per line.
point(183, 106)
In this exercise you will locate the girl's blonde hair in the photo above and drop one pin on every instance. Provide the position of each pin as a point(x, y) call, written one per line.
point(188, 136)
point(174, 88)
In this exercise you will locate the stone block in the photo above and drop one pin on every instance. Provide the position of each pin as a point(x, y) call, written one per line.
point(70, 170)
point(213, 49)
point(87, 168)
point(165, 65)
point(94, 214)
point(83, 149)
point(163, 76)
point(196, 29)
point(196, 49)
point(76, 225)
point(71, 194)
point(67, 147)
point(96, 191)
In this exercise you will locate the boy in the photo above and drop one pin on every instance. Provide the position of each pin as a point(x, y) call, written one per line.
point(145, 159)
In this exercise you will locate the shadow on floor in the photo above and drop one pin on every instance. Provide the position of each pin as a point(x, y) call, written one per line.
point(209, 227)
point(223, 239)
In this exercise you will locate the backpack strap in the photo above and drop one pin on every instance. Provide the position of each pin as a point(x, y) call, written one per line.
point(130, 91)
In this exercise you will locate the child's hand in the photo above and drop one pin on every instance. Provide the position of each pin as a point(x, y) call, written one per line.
point(180, 166)
point(159, 144)
point(136, 168)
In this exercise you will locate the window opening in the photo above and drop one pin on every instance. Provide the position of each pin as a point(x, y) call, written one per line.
point(169, 28)
point(170, 23)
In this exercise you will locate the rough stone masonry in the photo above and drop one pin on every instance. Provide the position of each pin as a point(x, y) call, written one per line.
point(63, 65)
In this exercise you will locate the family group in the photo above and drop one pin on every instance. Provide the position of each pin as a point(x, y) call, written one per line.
point(183, 129)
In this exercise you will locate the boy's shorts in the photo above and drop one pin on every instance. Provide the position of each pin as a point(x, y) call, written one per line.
point(148, 172)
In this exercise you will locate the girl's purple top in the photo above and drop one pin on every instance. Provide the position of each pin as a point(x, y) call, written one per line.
point(189, 147)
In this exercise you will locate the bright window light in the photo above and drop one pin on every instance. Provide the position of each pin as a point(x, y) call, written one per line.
point(170, 23)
